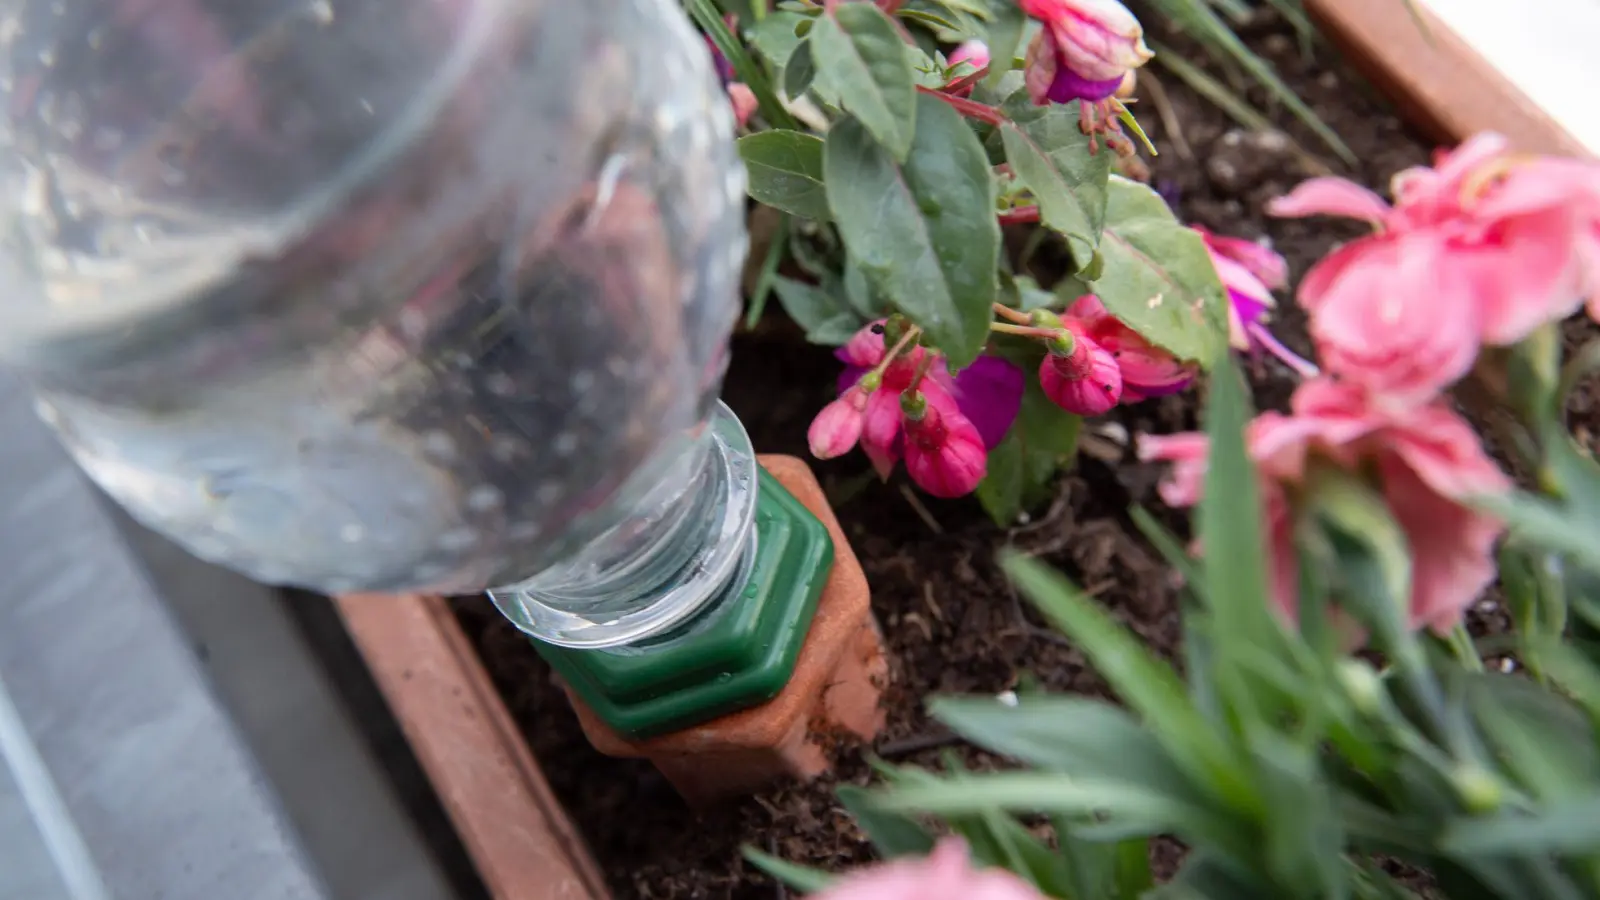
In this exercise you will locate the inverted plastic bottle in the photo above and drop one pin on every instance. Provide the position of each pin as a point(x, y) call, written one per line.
point(389, 295)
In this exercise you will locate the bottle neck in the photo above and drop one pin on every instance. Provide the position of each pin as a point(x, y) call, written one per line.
point(688, 541)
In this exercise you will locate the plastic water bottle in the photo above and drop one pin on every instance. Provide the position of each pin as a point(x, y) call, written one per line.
point(389, 295)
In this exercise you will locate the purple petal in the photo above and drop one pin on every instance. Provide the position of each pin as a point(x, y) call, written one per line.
point(851, 375)
point(989, 393)
point(1250, 309)
point(1069, 86)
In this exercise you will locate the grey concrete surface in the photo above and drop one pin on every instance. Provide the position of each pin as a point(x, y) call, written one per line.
point(135, 770)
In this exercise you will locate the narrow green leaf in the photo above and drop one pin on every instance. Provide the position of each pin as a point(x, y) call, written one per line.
point(1158, 277)
point(924, 233)
point(1051, 156)
point(709, 18)
point(1568, 826)
point(1229, 521)
point(892, 834)
point(785, 172)
point(776, 251)
point(865, 60)
point(1305, 843)
point(1147, 685)
point(1031, 792)
point(801, 878)
point(824, 317)
point(1133, 877)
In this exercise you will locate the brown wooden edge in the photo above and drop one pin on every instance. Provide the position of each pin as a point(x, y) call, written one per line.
point(1435, 78)
point(524, 845)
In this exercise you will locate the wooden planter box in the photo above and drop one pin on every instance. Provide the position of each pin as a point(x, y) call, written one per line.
point(524, 844)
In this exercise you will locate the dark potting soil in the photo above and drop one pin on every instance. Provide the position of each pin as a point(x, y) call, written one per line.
point(952, 623)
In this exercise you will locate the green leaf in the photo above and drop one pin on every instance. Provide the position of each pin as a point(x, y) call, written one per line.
point(1567, 826)
point(826, 321)
point(859, 293)
point(932, 20)
point(1026, 792)
point(1048, 436)
point(862, 54)
point(799, 71)
point(924, 233)
point(1004, 39)
point(1050, 155)
point(1147, 685)
point(802, 879)
point(774, 37)
point(1305, 843)
point(785, 169)
point(1000, 491)
point(1158, 277)
point(892, 834)
point(1087, 739)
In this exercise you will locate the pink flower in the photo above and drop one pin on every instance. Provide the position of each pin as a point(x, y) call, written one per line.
point(944, 452)
point(838, 426)
point(945, 874)
point(1079, 375)
point(1425, 461)
point(1147, 370)
point(1482, 248)
point(1084, 50)
point(1250, 273)
point(988, 392)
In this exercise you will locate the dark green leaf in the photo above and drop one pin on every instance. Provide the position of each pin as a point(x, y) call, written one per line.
point(799, 70)
point(924, 233)
point(1050, 154)
point(824, 317)
point(865, 60)
point(929, 19)
point(1540, 736)
point(1158, 277)
point(805, 880)
point(1048, 436)
point(785, 169)
point(1207, 876)
point(1000, 491)
point(860, 294)
point(1304, 843)
point(892, 834)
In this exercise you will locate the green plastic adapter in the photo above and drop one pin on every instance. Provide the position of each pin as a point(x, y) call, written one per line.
point(738, 653)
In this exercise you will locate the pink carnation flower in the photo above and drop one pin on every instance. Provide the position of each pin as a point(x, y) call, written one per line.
point(1482, 248)
point(945, 874)
point(1426, 462)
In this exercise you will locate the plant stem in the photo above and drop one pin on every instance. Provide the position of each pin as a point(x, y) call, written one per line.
point(966, 81)
point(908, 337)
point(1019, 215)
point(922, 371)
point(969, 108)
point(1023, 331)
point(1015, 315)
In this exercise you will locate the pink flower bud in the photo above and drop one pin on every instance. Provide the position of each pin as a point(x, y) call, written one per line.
point(1083, 378)
point(1084, 50)
point(944, 452)
point(838, 426)
point(973, 53)
point(744, 102)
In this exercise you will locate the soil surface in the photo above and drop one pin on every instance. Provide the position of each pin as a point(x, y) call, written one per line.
point(952, 623)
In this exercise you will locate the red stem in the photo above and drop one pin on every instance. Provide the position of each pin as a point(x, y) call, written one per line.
point(890, 6)
point(965, 81)
point(1020, 215)
point(969, 108)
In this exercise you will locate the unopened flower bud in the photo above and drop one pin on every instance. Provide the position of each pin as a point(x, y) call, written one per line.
point(1362, 685)
point(1479, 790)
point(838, 426)
point(944, 452)
point(1084, 379)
